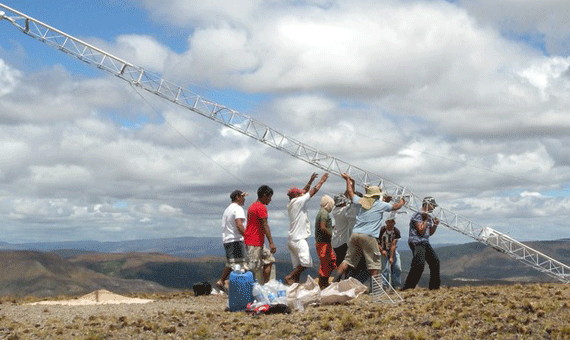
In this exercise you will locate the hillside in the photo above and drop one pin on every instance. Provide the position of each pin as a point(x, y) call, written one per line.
point(475, 261)
point(471, 263)
point(75, 271)
point(169, 271)
point(24, 273)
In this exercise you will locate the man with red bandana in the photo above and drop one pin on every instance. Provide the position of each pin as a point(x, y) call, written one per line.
point(300, 227)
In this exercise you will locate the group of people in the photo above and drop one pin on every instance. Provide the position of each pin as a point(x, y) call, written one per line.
point(359, 232)
point(244, 236)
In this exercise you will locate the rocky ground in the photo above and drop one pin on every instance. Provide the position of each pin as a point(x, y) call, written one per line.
point(533, 311)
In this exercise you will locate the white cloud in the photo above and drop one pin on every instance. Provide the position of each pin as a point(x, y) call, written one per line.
point(9, 78)
point(531, 194)
point(59, 175)
point(540, 22)
point(141, 50)
point(530, 162)
point(221, 52)
point(202, 12)
point(420, 58)
point(432, 95)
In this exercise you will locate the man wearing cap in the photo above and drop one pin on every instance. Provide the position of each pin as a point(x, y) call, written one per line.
point(363, 242)
point(422, 226)
point(344, 213)
point(391, 265)
point(233, 229)
point(300, 227)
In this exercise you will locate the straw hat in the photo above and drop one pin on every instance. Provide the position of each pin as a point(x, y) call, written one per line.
point(372, 194)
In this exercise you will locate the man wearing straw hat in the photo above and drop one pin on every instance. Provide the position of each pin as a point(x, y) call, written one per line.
point(363, 242)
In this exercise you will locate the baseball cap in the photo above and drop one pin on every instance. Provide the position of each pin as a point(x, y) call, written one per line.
point(429, 200)
point(340, 199)
point(237, 193)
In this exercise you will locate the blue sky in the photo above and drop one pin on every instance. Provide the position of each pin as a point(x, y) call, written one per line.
point(466, 101)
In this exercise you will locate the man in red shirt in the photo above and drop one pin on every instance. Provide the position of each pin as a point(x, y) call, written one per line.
point(257, 229)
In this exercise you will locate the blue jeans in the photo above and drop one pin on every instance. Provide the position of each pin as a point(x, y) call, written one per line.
point(396, 281)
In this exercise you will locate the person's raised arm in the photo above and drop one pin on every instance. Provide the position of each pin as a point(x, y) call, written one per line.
point(316, 188)
point(268, 235)
point(435, 223)
point(353, 188)
point(308, 185)
point(398, 205)
point(349, 186)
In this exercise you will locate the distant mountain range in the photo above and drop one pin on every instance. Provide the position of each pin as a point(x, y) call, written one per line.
point(48, 269)
point(177, 246)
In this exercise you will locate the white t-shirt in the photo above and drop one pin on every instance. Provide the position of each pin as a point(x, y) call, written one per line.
point(344, 220)
point(230, 232)
point(299, 224)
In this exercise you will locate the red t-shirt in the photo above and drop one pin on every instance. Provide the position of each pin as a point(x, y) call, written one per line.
point(254, 233)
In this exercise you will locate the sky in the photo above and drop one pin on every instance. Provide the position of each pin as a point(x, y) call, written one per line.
point(465, 101)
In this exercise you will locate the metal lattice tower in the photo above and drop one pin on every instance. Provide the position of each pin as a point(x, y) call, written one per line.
point(248, 126)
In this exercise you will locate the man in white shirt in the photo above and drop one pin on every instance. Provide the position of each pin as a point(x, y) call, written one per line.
point(344, 213)
point(300, 227)
point(233, 229)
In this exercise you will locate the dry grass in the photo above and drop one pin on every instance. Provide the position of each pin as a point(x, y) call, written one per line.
point(533, 311)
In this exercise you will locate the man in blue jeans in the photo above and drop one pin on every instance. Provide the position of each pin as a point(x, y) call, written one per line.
point(391, 265)
point(422, 226)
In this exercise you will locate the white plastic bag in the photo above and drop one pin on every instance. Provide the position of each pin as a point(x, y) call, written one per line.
point(345, 290)
point(301, 295)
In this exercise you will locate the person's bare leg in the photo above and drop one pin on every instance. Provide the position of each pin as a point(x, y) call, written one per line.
point(266, 272)
point(222, 281)
point(295, 275)
point(337, 273)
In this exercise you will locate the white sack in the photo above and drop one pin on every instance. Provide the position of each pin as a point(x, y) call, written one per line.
point(345, 290)
point(303, 294)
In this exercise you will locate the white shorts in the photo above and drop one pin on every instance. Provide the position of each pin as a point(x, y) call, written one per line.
point(300, 254)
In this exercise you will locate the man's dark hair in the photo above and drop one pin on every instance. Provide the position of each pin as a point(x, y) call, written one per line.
point(236, 194)
point(264, 190)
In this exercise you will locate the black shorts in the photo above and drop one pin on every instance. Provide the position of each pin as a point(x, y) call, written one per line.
point(235, 253)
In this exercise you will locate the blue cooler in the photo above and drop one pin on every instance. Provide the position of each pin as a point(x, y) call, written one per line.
point(239, 294)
